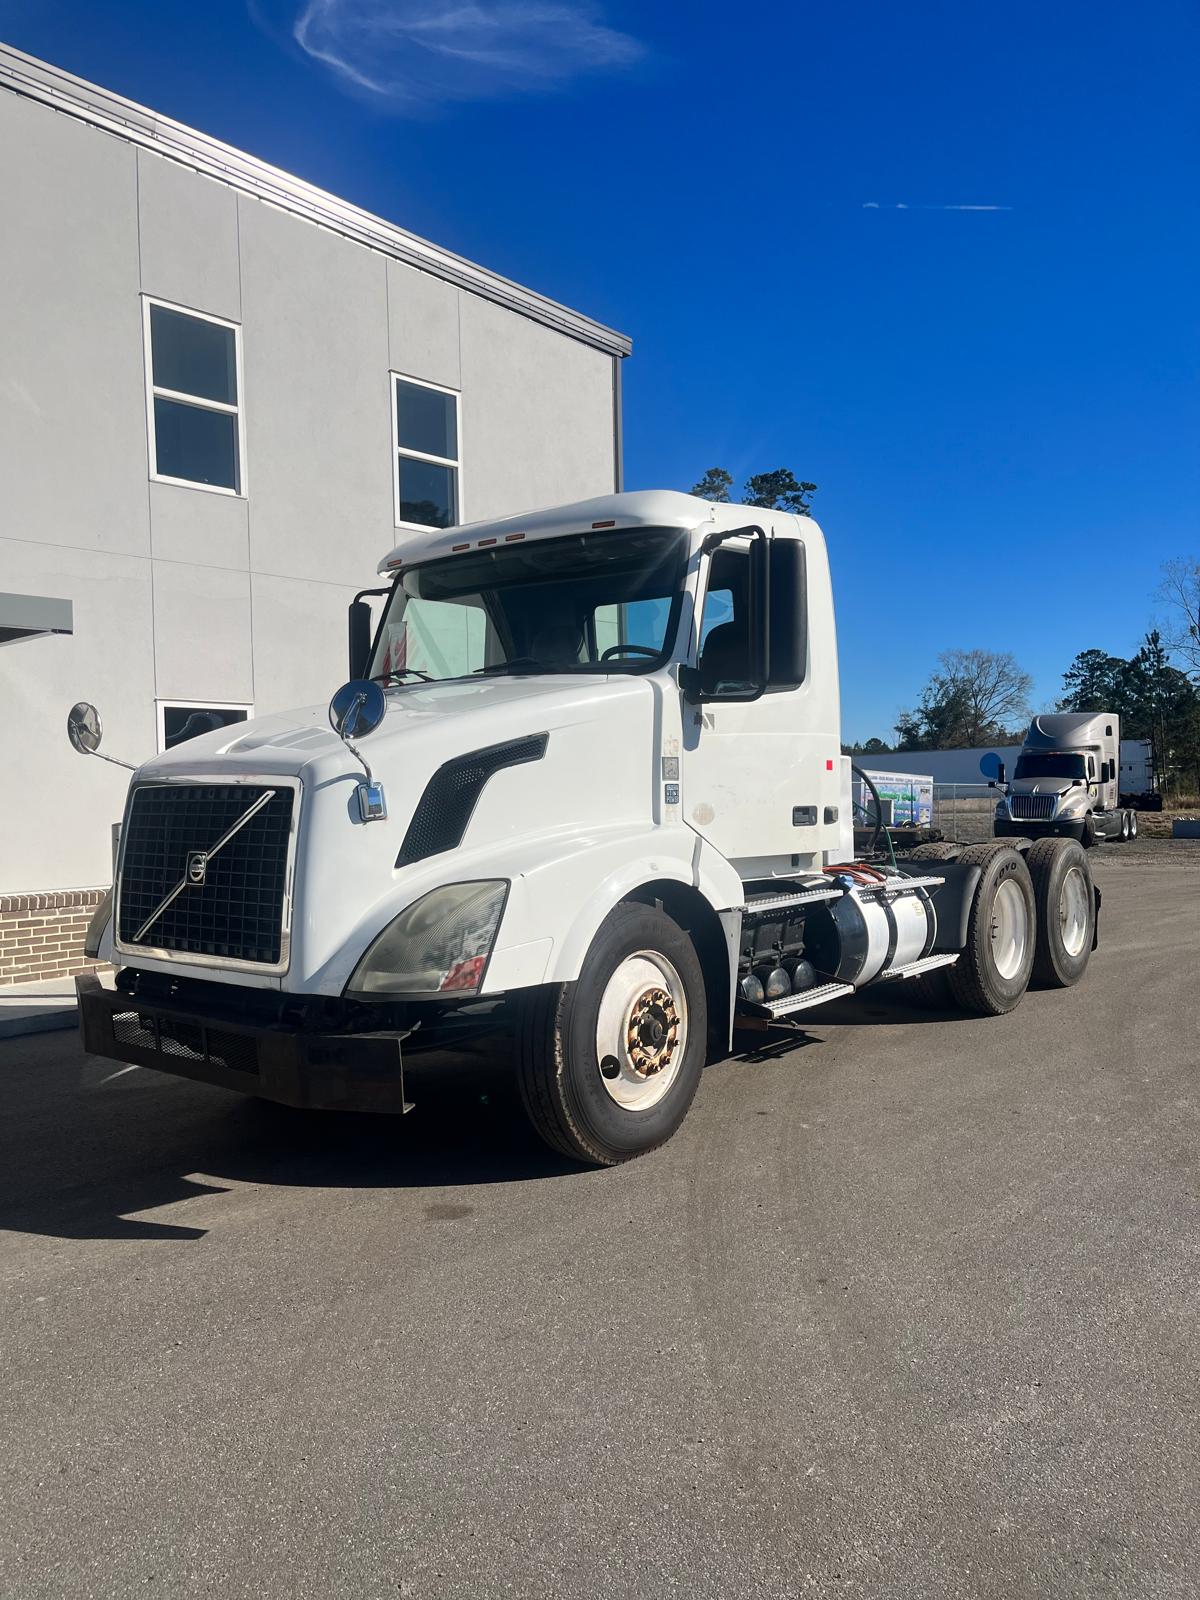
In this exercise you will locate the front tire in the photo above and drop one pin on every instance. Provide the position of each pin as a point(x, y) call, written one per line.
point(1132, 826)
point(608, 1066)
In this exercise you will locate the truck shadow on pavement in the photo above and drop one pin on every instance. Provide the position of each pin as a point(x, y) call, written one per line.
point(84, 1150)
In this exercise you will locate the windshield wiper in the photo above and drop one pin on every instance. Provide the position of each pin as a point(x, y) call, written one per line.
point(403, 672)
point(525, 663)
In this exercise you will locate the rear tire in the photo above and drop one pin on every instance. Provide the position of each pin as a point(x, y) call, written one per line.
point(993, 971)
point(608, 1066)
point(1066, 912)
point(935, 852)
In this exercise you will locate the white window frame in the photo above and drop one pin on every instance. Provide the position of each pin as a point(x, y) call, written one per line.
point(154, 391)
point(163, 706)
point(399, 450)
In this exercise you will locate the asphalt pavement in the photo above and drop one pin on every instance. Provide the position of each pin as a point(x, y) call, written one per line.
point(908, 1308)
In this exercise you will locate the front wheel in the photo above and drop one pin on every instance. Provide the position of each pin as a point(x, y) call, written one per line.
point(608, 1066)
point(1132, 826)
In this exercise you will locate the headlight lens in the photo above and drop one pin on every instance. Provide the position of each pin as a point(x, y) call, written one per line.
point(1001, 809)
point(438, 945)
point(101, 918)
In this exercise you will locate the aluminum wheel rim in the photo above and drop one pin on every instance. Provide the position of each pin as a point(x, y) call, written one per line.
point(641, 1030)
point(1010, 929)
point(1073, 912)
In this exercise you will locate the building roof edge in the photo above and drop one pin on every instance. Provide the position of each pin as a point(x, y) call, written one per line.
point(37, 80)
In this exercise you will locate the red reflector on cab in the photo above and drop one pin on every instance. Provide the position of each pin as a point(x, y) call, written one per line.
point(829, 766)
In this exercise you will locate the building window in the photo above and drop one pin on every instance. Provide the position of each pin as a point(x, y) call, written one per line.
point(193, 402)
point(425, 435)
point(179, 721)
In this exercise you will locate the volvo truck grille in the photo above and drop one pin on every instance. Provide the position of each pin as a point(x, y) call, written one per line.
point(230, 876)
point(1032, 807)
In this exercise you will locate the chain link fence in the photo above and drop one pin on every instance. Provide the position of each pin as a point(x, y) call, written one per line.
point(964, 811)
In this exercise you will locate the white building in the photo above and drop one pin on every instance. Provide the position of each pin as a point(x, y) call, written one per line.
point(221, 392)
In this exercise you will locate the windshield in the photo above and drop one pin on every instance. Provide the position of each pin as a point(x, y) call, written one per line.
point(1048, 764)
point(588, 602)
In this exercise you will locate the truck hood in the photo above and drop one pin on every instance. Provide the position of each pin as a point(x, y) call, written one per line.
point(351, 877)
point(425, 725)
point(1041, 786)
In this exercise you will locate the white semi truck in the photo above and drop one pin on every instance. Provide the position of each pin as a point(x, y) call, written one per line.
point(1066, 781)
point(586, 781)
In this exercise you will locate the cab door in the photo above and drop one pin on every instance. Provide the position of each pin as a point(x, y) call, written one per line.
point(760, 775)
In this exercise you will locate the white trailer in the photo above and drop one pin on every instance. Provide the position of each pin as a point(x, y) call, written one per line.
point(586, 780)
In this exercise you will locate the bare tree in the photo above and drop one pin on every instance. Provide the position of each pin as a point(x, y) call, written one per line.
point(1180, 592)
point(993, 687)
point(973, 698)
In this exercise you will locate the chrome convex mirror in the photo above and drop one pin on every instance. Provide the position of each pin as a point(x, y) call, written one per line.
point(355, 711)
point(85, 730)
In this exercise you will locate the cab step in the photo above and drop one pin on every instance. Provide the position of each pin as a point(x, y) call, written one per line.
point(900, 884)
point(914, 969)
point(757, 904)
point(805, 998)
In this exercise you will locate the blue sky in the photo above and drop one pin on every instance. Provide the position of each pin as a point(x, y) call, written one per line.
point(1000, 406)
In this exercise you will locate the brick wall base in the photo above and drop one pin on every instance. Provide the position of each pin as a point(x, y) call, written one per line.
point(41, 935)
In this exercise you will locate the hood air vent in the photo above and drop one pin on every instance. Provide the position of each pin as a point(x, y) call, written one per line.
point(451, 795)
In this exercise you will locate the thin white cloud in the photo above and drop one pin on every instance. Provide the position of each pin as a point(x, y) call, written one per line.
point(416, 54)
point(902, 205)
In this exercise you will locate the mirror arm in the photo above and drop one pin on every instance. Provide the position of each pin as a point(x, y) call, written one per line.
point(100, 756)
point(349, 742)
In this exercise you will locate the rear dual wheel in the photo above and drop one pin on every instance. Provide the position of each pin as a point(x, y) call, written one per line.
point(1066, 911)
point(994, 969)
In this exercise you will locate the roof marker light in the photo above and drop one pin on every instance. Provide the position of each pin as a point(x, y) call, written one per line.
point(610, 524)
point(457, 547)
point(482, 542)
point(511, 538)
point(395, 563)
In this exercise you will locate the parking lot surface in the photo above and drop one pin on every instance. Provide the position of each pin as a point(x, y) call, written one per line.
point(908, 1308)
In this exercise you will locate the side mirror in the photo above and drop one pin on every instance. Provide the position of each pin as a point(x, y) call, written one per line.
point(751, 684)
point(355, 711)
point(992, 767)
point(85, 730)
point(359, 641)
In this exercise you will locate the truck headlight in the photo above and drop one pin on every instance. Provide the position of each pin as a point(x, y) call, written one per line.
point(438, 945)
point(1001, 808)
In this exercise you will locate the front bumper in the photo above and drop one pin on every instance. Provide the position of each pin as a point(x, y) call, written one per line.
point(296, 1067)
point(1060, 827)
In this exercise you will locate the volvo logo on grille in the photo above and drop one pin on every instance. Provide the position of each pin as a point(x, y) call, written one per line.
point(197, 866)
